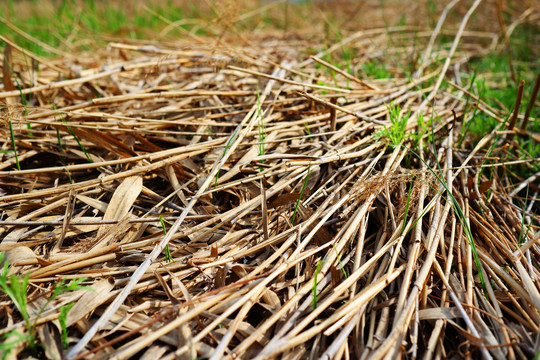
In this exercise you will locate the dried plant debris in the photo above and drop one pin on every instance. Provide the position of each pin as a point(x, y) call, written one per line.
point(255, 202)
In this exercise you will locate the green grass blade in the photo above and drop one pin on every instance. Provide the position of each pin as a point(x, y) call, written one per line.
point(461, 217)
point(407, 206)
point(168, 256)
point(227, 146)
point(58, 290)
point(314, 287)
point(300, 196)
point(339, 262)
point(62, 319)
point(81, 145)
point(306, 125)
point(59, 138)
point(14, 145)
point(15, 288)
point(522, 235)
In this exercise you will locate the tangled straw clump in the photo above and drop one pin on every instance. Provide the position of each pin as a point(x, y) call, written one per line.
point(377, 262)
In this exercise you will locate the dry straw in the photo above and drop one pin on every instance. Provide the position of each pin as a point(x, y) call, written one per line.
point(299, 229)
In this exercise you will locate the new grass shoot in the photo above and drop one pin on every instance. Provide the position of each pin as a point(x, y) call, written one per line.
point(24, 100)
point(14, 287)
point(168, 257)
point(81, 145)
point(339, 261)
point(300, 196)
point(458, 211)
point(14, 145)
point(407, 204)
point(227, 146)
point(62, 319)
point(63, 159)
point(314, 287)
point(308, 131)
point(316, 274)
point(524, 233)
point(395, 133)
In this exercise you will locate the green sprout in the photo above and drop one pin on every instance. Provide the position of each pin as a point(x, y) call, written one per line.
point(300, 196)
point(62, 319)
point(396, 132)
point(15, 287)
point(14, 145)
point(81, 145)
point(314, 287)
point(168, 257)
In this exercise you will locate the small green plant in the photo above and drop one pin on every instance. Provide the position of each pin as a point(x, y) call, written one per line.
point(482, 123)
point(10, 340)
point(396, 132)
point(15, 287)
point(209, 131)
point(62, 319)
point(315, 276)
point(376, 70)
point(308, 131)
point(423, 129)
point(168, 257)
point(322, 83)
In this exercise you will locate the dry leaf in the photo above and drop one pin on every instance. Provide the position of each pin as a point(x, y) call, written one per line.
point(92, 298)
point(122, 200)
point(19, 254)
